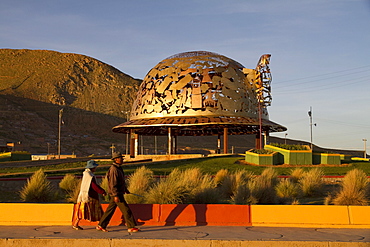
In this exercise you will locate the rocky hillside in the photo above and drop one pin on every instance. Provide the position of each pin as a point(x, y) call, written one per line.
point(36, 84)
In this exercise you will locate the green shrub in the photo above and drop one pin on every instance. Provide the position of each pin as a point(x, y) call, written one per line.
point(37, 189)
point(290, 146)
point(261, 151)
point(353, 189)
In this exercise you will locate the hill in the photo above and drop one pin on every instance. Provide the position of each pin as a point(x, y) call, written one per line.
point(36, 84)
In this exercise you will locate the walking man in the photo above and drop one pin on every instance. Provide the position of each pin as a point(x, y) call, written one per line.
point(116, 189)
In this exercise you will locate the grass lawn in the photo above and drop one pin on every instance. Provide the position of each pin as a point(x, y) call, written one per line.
point(210, 165)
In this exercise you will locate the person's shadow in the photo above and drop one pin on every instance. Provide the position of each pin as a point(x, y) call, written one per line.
point(142, 213)
point(200, 214)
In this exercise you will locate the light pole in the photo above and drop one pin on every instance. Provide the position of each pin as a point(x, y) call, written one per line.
point(127, 134)
point(59, 130)
point(364, 140)
point(285, 137)
point(310, 115)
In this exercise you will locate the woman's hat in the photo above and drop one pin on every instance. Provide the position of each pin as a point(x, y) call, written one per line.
point(91, 164)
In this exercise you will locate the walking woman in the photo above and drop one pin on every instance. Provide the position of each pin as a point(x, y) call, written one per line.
point(88, 205)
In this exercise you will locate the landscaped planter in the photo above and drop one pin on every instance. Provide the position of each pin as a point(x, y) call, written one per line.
point(262, 159)
point(332, 159)
point(326, 159)
point(13, 156)
point(346, 157)
point(292, 157)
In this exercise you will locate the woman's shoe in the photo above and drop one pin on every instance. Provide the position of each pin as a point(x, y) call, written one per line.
point(134, 229)
point(77, 227)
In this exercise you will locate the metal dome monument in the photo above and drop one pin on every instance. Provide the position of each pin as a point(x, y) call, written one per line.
point(200, 94)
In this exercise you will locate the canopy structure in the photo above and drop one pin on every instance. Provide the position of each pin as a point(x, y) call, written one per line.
point(201, 93)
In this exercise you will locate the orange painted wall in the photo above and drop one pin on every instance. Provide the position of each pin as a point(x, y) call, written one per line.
point(198, 214)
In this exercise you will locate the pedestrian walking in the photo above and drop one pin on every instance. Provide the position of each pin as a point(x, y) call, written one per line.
point(116, 189)
point(88, 205)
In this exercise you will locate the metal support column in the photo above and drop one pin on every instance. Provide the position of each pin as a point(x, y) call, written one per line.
point(133, 144)
point(226, 140)
point(169, 141)
point(218, 151)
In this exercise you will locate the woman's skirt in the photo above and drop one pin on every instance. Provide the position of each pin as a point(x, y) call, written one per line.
point(91, 211)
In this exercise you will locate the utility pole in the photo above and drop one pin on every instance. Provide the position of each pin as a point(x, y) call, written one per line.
point(59, 130)
point(364, 140)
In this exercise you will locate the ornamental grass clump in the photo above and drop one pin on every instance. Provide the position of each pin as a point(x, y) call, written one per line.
point(170, 190)
point(139, 183)
point(206, 192)
point(263, 187)
point(241, 191)
point(200, 187)
point(37, 189)
point(311, 182)
point(104, 185)
point(287, 191)
point(296, 174)
point(220, 177)
point(354, 189)
point(71, 187)
point(188, 186)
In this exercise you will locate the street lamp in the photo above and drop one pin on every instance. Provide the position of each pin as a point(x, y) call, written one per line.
point(364, 140)
point(285, 137)
point(310, 115)
point(127, 119)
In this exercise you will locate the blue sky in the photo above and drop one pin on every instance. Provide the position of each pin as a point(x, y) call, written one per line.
point(320, 49)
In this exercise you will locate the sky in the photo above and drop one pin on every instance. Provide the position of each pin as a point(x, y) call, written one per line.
point(319, 49)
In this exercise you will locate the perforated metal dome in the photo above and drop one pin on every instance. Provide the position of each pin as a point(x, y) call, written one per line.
point(200, 93)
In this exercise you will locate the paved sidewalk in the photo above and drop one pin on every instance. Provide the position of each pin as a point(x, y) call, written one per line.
point(182, 236)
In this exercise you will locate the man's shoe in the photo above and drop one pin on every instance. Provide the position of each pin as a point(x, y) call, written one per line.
point(134, 229)
point(77, 227)
point(99, 228)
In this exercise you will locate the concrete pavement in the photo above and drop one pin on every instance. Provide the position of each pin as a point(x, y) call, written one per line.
point(208, 236)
